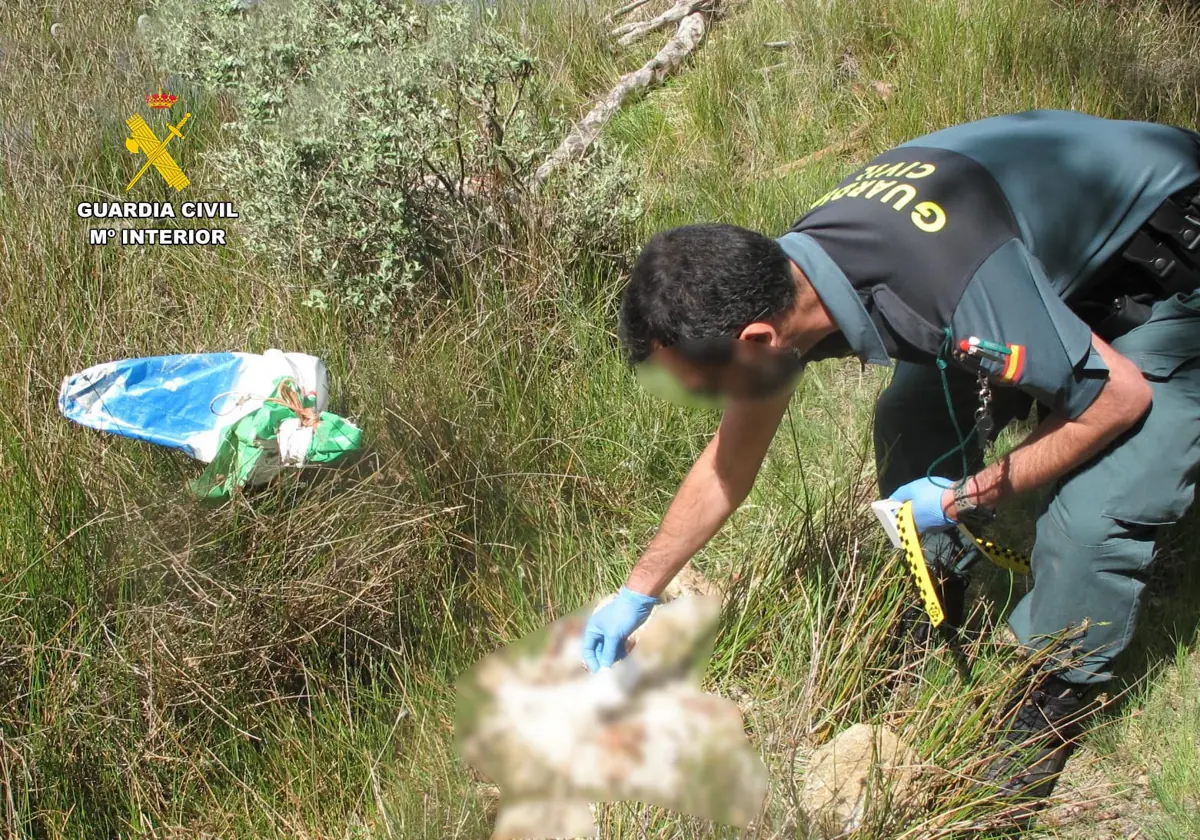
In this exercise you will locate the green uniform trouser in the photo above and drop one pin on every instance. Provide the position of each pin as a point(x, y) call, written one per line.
point(1097, 529)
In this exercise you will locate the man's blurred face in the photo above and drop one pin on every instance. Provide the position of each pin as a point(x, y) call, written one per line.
point(714, 372)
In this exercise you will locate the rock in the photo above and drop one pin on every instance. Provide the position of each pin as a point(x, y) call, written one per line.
point(842, 776)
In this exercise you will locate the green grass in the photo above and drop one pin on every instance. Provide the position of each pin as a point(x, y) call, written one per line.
point(283, 666)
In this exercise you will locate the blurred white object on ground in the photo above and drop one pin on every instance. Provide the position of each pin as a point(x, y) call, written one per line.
point(554, 737)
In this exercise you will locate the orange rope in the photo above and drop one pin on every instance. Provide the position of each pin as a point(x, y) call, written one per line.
point(289, 397)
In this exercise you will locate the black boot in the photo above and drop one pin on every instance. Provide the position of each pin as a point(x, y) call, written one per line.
point(1041, 734)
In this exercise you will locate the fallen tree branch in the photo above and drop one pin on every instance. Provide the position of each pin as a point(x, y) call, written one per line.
point(833, 148)
point(631, 32)
point(626, 9)
point(686, 38)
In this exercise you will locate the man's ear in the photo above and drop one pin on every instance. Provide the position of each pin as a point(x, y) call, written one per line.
point(761, 332)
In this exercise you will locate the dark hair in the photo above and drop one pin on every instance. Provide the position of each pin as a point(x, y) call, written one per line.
point(702, 281)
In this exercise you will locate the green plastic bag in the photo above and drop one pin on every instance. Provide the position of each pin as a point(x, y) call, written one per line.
point(285, 432)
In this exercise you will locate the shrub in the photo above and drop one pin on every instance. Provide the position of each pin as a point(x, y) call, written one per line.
point(373, 141)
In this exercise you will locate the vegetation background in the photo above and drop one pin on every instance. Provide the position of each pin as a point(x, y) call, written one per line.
point(284, 665)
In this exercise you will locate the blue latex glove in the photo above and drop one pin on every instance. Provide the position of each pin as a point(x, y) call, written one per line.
point(609, 627)
point(926, 497)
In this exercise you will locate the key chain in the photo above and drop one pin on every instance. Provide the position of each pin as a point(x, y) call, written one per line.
point(985, 424)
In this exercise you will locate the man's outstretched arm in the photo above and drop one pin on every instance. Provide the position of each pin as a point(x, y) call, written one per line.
point(718, 482)
point(716, 485)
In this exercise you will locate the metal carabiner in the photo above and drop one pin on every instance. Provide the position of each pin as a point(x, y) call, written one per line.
point(984, 423)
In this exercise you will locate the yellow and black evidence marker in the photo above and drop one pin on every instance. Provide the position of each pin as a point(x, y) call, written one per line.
point(897, 521)
point(910, 544)
point(1005, 558)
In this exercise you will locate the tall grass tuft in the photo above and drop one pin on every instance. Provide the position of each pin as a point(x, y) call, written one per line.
point(283, 665)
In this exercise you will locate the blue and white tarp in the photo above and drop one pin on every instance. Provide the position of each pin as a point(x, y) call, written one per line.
point(185, 401)
point(191, 402)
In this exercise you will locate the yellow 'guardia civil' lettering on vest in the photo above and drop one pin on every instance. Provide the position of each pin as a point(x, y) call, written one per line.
point(870, 183)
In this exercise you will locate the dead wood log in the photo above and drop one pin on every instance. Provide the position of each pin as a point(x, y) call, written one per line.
point(626, 9)
point(628, 33)
point(686, 38)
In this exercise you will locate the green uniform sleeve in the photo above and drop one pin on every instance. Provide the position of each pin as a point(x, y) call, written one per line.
point(1010, 302)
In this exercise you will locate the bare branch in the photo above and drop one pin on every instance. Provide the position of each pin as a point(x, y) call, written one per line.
point(631, 32)
point(837, 147)
point(686, 38)
point(627, 8)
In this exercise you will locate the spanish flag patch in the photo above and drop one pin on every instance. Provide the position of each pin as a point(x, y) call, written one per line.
point(1014, 365)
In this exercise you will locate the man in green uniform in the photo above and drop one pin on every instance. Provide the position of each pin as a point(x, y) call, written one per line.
point(1047, 258)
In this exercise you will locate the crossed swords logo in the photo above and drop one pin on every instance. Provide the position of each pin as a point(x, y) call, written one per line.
point(144, 140)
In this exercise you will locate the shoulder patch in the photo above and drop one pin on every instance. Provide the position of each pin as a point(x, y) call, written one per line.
point(1011, 374)
point(1003, 363)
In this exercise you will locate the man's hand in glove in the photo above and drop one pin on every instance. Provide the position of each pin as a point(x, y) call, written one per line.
point(609, 627)
point(927, 496)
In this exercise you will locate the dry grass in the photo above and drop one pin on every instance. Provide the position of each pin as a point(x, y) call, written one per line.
point(283, 665)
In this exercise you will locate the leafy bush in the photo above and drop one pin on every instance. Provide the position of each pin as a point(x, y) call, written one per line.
point(372, 140)
point(592, 204)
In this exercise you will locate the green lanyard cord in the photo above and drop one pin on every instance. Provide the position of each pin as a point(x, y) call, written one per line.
point(943, 351)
